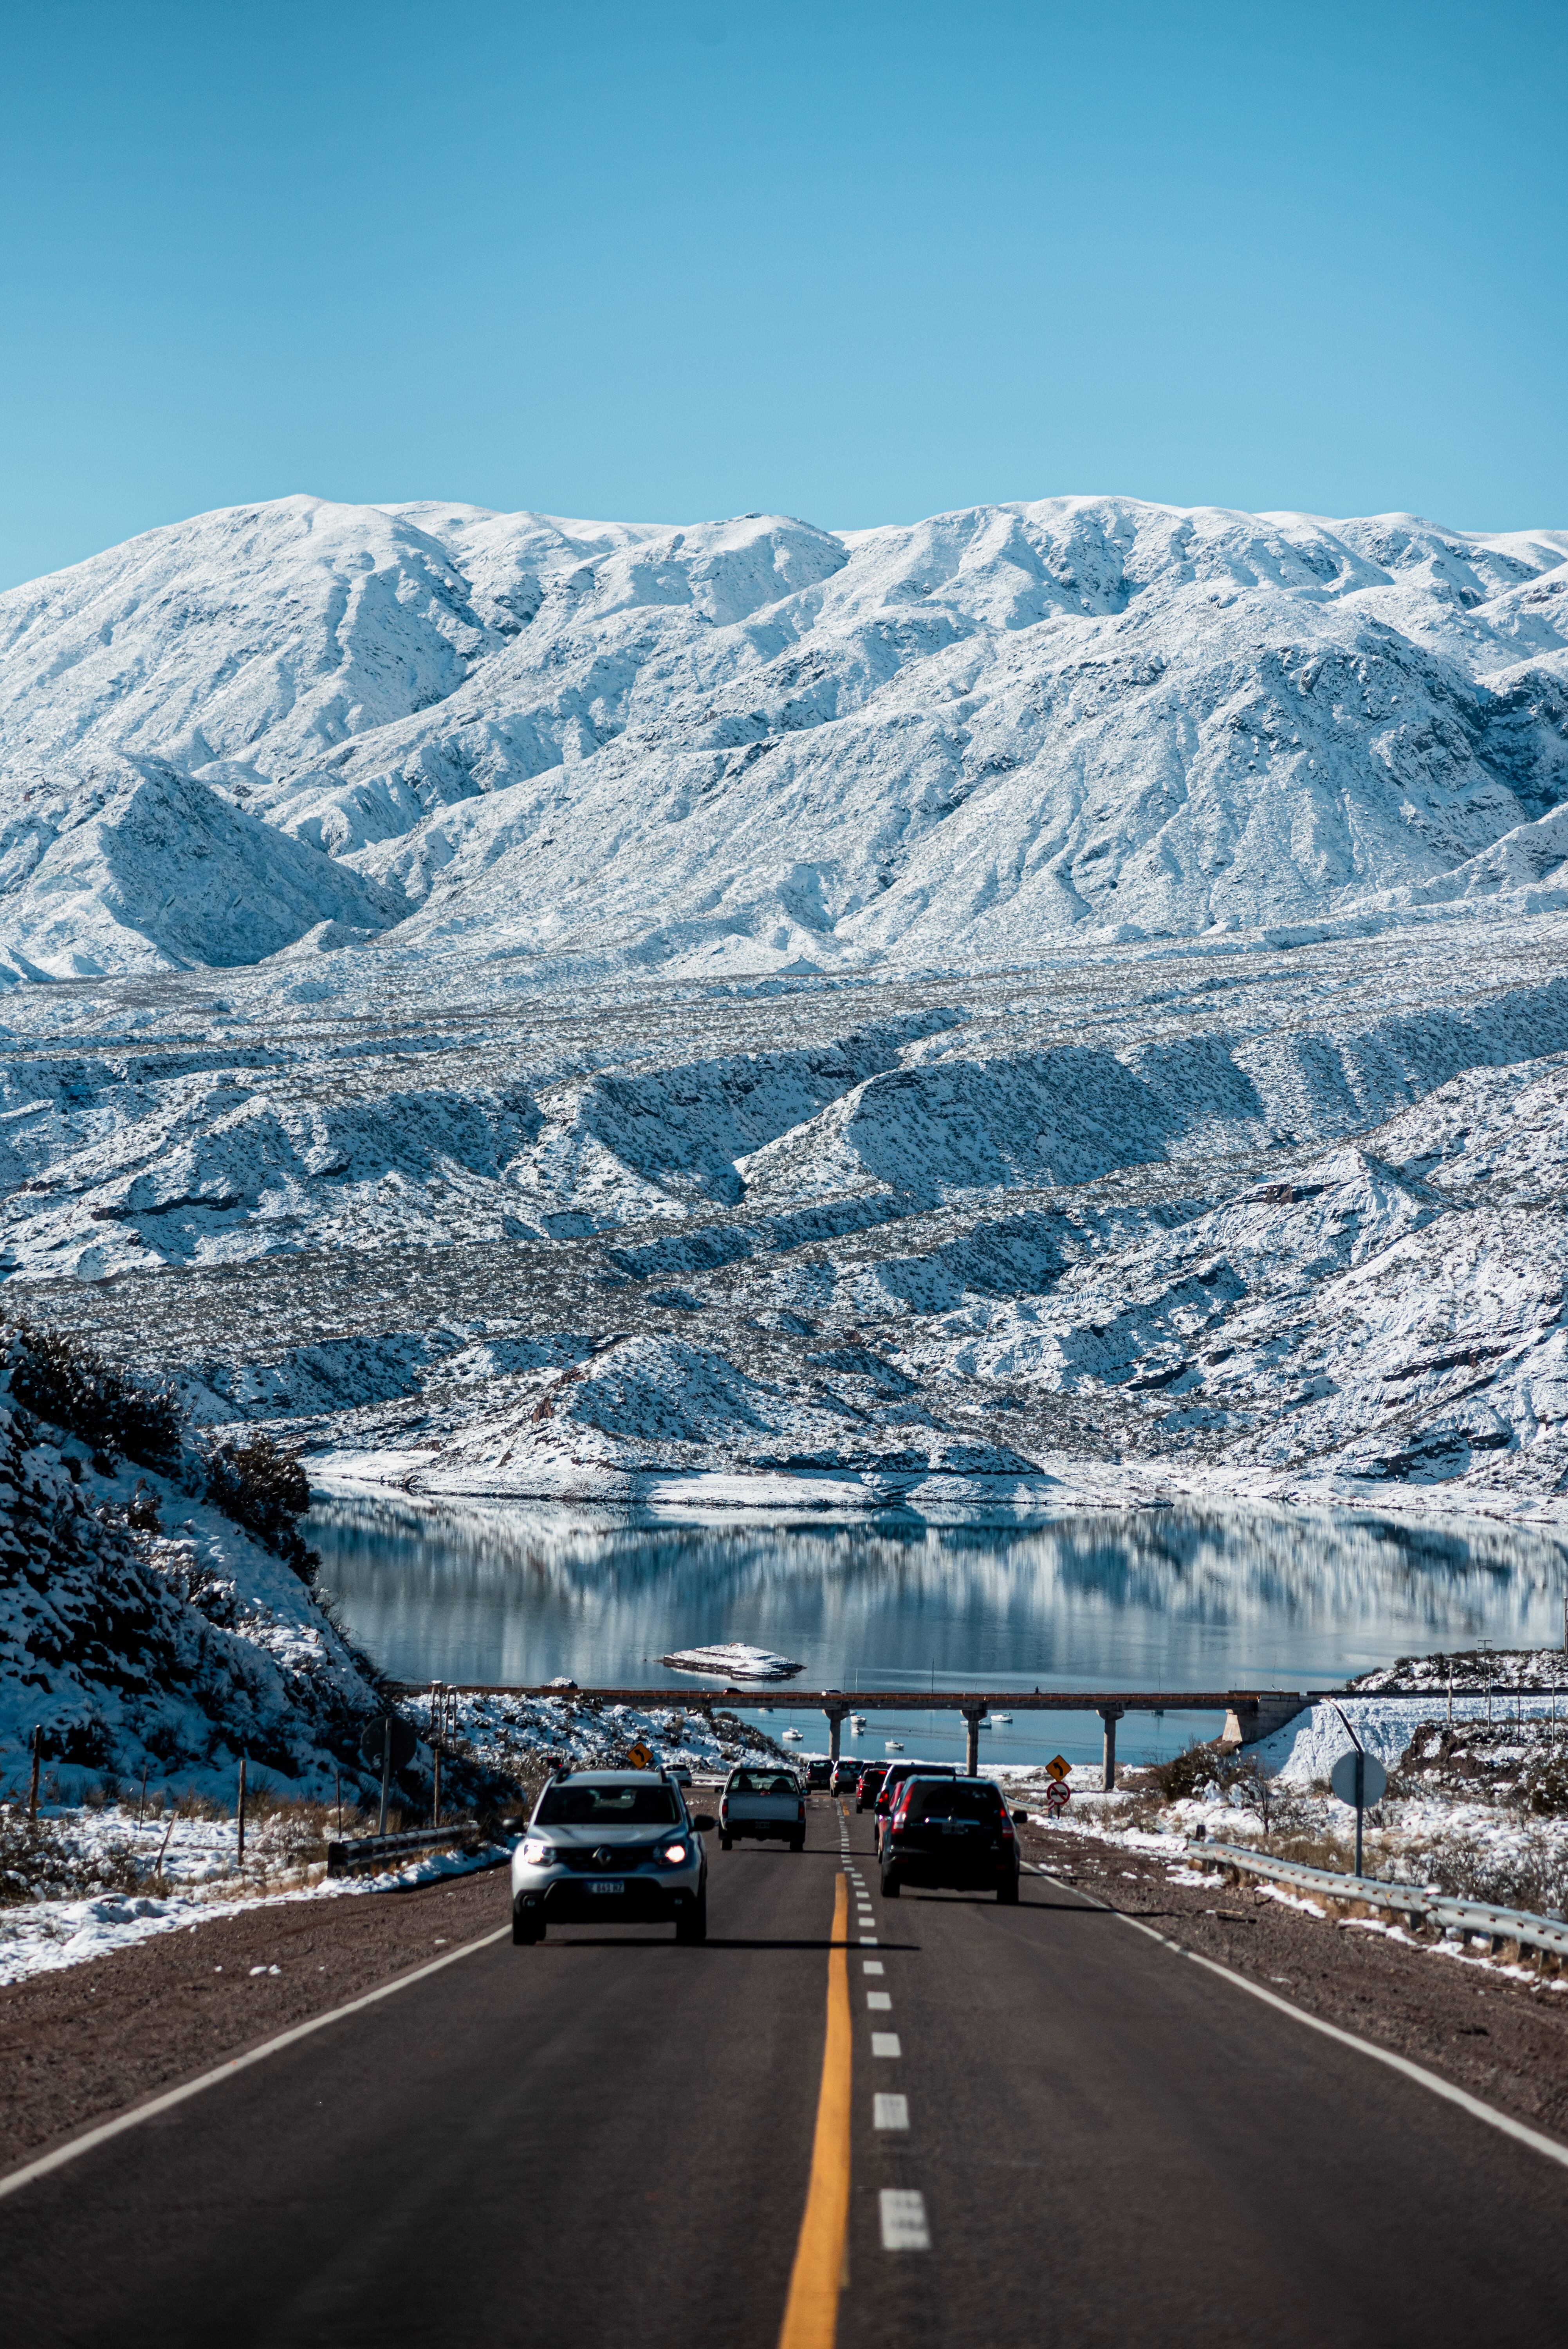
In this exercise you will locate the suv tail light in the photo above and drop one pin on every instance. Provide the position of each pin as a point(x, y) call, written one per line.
point(800, 1810)
point(1006, 1826)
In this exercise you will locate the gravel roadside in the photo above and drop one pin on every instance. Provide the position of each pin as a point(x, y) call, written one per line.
point(1503, 2038)
point(80, 2044)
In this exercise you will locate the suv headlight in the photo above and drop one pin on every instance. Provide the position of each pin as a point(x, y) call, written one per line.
point(537, 1853)
point(673, 1854)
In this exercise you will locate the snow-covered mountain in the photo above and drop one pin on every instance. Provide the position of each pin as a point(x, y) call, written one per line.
point(757, 745)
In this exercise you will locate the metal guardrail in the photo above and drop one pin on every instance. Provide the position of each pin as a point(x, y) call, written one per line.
point(372, 1851)
point(1502, 1926)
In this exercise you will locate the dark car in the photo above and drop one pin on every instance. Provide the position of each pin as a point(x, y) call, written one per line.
point(819, 1774)
point(868, 1784)
point(893, 1778)
point(951, 1831)
point(844, 1774)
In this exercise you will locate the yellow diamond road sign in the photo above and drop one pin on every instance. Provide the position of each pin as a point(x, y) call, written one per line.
point(640, 1758)
point(1058, 1769)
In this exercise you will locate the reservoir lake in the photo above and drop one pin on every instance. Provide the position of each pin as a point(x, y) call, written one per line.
point(1158, 1599)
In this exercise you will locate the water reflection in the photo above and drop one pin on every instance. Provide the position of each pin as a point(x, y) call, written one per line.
point(1176, 1598)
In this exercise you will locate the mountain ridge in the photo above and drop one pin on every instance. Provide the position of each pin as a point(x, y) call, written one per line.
point(754, 745)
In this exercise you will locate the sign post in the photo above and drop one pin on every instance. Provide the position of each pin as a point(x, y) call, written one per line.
point(387, 1746)
point(1359, 1778)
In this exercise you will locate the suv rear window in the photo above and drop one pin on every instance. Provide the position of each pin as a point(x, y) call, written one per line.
point(592, 1807)
point(953, 1802)
point(763, 1781)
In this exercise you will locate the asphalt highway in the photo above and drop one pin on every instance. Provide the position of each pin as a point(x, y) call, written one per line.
point(609, 2139)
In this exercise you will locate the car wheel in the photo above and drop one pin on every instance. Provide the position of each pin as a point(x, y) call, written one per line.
point(797, 1843)
point(890, 1883)
point(1007, 1891)
point(525, 1931)
point(693, 1925)
point(726, 1843)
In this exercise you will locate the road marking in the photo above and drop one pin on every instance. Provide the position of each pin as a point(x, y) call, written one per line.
point(872, 1966)
point(885, 2043)
point(810, 2312)
point(869, 1941)
point(1417, 2071)
point(170, 2096)
point(879, 2002)
point(904, 2227)
point(890, 2111)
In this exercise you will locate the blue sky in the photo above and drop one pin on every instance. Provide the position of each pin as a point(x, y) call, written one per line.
point(858, 261)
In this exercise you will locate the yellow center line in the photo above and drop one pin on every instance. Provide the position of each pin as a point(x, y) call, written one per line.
point(811, 2314)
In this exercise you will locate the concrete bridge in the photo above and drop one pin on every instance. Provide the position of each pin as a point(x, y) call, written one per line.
point(1250, 1714)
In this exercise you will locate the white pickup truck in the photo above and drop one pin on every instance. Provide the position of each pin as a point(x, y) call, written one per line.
point(769, 1804)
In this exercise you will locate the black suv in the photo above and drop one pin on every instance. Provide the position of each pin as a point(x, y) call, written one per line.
point(893, 1778)
point(951, 1831)
point(819, 1773)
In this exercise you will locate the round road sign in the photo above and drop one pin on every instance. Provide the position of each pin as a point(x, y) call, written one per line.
point(1057, 1798)
point(373, 1743)
point(1374, 1778)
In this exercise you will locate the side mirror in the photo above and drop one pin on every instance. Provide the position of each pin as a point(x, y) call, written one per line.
point(704, 1824)
point(1022, 1818)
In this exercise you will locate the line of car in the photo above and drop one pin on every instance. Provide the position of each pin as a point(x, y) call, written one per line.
point(622, 1847)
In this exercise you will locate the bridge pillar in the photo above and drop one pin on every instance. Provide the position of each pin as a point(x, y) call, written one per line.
point(1110, 1714)
point(835, 1713)
point(1254, 1717)
point(973, 1714)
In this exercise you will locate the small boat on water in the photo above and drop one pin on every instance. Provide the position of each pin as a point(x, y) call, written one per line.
point(733, 1661)
point(793, 1737)
point(1001, 1720)
point(857, 1721)
point(892, 1745)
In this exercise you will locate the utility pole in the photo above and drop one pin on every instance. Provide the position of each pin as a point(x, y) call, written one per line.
point(242, 1811)
point(33, 1780)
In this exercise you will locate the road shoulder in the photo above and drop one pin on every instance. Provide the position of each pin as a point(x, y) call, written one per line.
point(1500, 2038)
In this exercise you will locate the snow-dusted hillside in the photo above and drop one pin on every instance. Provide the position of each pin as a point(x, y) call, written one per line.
point(1222, 1216)
point(754, 745)
point(1060, 1000)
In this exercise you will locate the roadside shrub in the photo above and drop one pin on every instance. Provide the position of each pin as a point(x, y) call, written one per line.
point(1188, 1772)
point(263, 1489)
point(70, 1385)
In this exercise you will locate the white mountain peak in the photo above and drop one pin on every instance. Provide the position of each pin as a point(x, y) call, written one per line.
point(756, 744)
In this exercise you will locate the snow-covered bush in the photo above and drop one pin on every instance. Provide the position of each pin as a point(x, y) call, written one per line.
point(263, 1489)
point(71, 1386)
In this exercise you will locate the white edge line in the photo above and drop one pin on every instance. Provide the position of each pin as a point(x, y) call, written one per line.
point(225, 2070)
point(1521, 2130)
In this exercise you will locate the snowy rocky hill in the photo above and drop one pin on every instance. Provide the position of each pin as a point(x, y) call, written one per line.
point(756, 745)
point(1062, 1001)
point(1208, 1218)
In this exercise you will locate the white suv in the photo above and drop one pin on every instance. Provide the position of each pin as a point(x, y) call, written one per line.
point(611, 1847)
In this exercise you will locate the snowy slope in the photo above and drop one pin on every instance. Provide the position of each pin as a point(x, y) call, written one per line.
point(754, 745)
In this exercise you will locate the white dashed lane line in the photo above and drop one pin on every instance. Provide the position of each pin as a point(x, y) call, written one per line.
point(872, 1966)
point(904, 2227)
point(885, 2043)
point(879, 2002)
point(890, 2111)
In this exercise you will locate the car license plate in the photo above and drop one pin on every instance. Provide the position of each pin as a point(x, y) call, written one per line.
point(607, 1884)
point(955, 1830)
